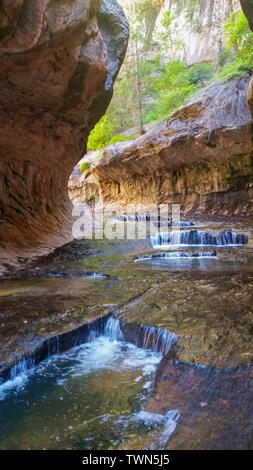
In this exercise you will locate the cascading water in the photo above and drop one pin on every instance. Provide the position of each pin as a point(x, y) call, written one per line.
point(169, 419)
point(112, 330)
point(181, 223)
point(109, 328)
point(197, 238)
point(66, 275)
point(90, 397)
point(156, 339)
point(176, 255)
point(157, 220)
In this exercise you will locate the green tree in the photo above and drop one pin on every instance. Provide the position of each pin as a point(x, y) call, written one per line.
point(238, 52)
point(101, 134)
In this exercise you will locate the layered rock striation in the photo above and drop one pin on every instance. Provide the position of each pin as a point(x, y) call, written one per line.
point(58, 63)
point(201, 157)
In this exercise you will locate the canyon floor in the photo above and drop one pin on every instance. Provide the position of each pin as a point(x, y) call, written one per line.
point(50, 305)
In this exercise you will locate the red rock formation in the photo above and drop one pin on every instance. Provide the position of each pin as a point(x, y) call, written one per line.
point(201, 157)
point(58, 63)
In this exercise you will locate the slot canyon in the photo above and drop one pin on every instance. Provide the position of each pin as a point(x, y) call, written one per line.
point(141, 341)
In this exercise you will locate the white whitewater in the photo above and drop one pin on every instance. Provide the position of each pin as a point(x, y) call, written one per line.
point(183, 238)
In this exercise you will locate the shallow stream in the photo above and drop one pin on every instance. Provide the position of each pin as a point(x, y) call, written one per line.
point(175, 372)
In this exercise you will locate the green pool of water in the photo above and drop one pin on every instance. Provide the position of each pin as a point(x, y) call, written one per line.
point(91, 397)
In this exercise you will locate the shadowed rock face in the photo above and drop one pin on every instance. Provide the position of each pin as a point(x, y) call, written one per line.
point(200, 158)
point(58, 63)
point(247, 7)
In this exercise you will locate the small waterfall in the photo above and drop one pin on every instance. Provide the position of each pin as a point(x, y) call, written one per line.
point(204, 254)
point(22, 368)
point(197, 238)
point(97, 276)
point(156, 339)
point(151, 338)
point(88, 333)
point(95, 330)
point(151, 218)
point(168, 421)
point(109, 327)
point(113, 330)
point(17, 378)
point(135, 218)
point(182, 223)
point(70, 275)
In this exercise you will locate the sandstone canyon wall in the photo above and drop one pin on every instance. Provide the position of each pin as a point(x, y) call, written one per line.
point(58, 61)
point(201, 157)
point(198, 24)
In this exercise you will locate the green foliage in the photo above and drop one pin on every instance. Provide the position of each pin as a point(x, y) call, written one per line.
point(232, 70)
point(170, 30)
point(223, 59)
point(150, 80)
point(85, 166)
point(101, 134)
point(168, 102)
point(150, 70)
point(200, 74)
point(175, 76)
point(238, 54)
point(168, 87)
point(175, 86)
point(150, 85)
point(167, 19)
point(121, 138)
point(238, 36)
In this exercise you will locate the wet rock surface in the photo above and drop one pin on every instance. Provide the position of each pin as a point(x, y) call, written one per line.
point(200, 319)
point(214, 405)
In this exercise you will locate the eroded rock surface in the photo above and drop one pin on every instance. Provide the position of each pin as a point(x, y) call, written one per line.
point(82, 186)
point(201, 157)
point(58, 63)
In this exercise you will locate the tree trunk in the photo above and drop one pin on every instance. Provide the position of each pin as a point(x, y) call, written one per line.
point(138, 89)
